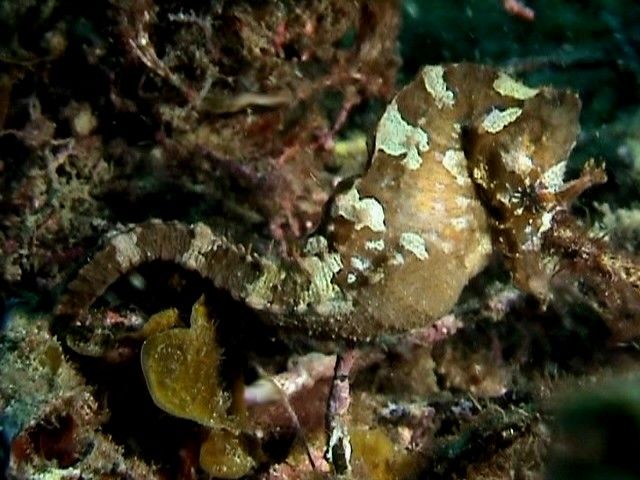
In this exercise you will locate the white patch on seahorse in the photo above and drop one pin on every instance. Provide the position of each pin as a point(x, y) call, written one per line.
point(127, 252)
point(496, 119)
point(316, 245)
point(547, 217)
point(360, 263)
point(202, 242)
point(456, 163)
point(396, 137)
point(433, 78)
point(533, 239)
point(363, 212)
point(413, 160)
point(508, 87)
point(518, 162)
point(461, 223)
point(415, 244)
point(439, 208)
point(259, 294)
point(396, 260)
point(553, 178)
point(321, 273)
point(323, 295)
point(377, 245)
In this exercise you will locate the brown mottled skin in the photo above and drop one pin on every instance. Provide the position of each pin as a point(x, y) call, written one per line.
point(463, 164)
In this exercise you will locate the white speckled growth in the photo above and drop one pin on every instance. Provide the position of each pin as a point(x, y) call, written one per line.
point(396, 137)
point(202, 242)
point(127, 251)
point(363, 212)
point(433, 77)
point(376, 245)
point(507, 86)
point(496, 119)
point(516, 161)
point(553, 179)
point(414, 243)
point(456, 163)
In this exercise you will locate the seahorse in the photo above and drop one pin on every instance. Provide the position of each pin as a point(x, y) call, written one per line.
point(466, 161)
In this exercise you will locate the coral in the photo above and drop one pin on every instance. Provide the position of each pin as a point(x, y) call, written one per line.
point(493, 430)
point(38, 376)
point(248, 73)
point(49, 415)
point(51, 205)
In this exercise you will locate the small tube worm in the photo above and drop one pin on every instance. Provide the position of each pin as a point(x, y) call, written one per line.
point(466, 160)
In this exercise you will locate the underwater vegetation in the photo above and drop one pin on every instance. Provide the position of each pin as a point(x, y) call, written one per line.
point(320, 239)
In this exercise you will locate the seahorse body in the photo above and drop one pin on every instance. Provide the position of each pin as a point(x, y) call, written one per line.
point(466, 160)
